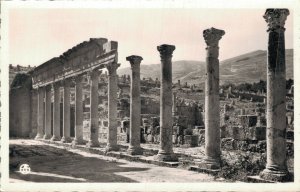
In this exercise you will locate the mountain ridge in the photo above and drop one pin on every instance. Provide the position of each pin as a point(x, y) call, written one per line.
point(249, 67)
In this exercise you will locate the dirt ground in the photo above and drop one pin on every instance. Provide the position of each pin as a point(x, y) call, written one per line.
point(51, 163)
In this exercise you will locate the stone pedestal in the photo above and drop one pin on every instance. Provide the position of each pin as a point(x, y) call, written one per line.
point(56, 112)
point(40, 113)
point(66, 112)
point(94, 118)
point(212, 103)
point(78, 139)
point(48, 113)
point(135, 106)
point(112, 107)
point(276, 168)
point(165, 152)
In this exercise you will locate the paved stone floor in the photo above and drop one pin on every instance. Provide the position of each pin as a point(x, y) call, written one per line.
point(51, 163)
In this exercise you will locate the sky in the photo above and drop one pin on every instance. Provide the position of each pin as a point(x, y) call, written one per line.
point(37, 35)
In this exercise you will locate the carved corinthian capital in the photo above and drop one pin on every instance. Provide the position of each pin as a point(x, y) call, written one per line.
point(212, 36)
point(276, 19)
point(112, 68)
point(166, 51)
point(93, 74)
point(134, 60)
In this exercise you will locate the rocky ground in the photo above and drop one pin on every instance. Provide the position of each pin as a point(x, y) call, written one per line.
point(61, 163)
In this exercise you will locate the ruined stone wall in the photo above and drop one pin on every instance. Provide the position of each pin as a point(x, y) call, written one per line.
point(20, 112)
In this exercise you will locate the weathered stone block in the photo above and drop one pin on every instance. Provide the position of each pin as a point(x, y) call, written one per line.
point(260, 133)
point(237, 133)
point(188, 132)
point(175, 139)
point(223, 131)
point(244, 120)
point(150, 138)
point(191, 140)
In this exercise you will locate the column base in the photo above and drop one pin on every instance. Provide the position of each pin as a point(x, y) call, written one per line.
point(38, 137)
point(92, 143)
point(78, 142)
point(135, 151)
point(55, 138)
point(66, 139)
point(46, 137)
point(163, 156)
point(210, 164)
point(276, 175)
point(111, 148)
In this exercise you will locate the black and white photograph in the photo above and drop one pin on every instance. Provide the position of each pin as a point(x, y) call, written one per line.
point(150, 95)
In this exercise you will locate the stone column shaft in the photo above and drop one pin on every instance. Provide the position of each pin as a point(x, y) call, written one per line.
point(78, 112)
point(56, 112)
point(276, 168)
point(165, 152)
point(48, 113)
point(212, 102)
point(112, 107)
point(94, 118)
point(135, 106)
point(40, 113)
point(66, 112)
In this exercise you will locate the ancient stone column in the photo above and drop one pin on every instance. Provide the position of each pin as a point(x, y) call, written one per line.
point(112, 107)
point(135, 106)
point(56, 112)
point(48, 113)
point(66, 112)
point(276, 168)
point(212, 103)
point(40, 113)
point(78, 139)
point(165, 152)
point(94, 102)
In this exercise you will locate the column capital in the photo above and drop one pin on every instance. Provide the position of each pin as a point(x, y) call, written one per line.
point(112, 67)
point(276, 19)
point(40, 88)
point(166, 50)
point(56, 85)
point(212, 36)
point(78, 78)
point(48, 87)
point(134, 60)
point(66, 82)
point(94, 73)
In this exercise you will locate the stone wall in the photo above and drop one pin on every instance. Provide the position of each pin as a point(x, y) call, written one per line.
point(20, 112)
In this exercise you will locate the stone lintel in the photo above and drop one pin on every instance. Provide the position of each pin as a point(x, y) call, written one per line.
point(276, 19)
point(212, 36)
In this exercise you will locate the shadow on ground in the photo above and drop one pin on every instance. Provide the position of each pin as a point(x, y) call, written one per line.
point(50, 164)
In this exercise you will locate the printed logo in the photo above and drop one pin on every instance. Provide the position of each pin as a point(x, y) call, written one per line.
point(25, 169)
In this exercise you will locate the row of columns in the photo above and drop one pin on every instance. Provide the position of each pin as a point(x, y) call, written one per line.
point(276, 168)
point(44, 113)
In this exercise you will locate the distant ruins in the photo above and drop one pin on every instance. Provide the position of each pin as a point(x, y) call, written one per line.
point(78, 98)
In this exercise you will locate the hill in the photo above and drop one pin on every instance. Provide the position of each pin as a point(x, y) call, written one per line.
point(249, 67)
